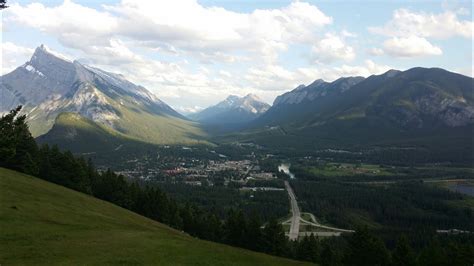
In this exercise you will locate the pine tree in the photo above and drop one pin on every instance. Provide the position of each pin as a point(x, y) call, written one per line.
point(235, 228)
point(328, 256)
point(274, 238)
point(3, 4)
point(433, 255)
point(403, 254)
point(254, 234)
point(18, 149)
point(366, 249)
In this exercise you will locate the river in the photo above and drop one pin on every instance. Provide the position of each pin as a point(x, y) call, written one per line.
point(285, 167)
point(462, 188)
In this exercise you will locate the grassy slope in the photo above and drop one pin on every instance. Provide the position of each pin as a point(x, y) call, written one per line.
point(137, 121)
point(157, 129)
point(74, 132)
point(42, 223)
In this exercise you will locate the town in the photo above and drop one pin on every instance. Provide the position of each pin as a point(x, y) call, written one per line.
point(186, 165)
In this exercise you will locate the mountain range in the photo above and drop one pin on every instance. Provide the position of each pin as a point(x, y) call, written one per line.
point(232, 110)
point(419, 106)
point(49, 85)
point(416, 98)
point(85, 108)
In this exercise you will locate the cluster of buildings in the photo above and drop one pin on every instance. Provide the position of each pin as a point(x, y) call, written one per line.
point(187, 166)
point(214, 172)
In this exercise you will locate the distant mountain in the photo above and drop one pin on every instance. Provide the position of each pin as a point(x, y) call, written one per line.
point(411, 107)
point(416, 98)
point(49, 85)
point(233, 110)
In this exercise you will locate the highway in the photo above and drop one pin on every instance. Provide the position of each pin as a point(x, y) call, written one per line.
point(295, 211)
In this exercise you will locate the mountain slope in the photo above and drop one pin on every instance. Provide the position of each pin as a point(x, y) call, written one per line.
point(233, 110)
point(426, 108)
point(73, 132)
point(46, 224)
point(416, 98)
point(49, 85)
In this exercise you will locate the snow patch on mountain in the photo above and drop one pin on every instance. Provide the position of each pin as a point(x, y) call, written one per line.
point(49, 84)
point(32, 69)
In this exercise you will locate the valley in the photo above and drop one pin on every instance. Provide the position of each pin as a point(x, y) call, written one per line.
point(326, 167)
point(250, 178)
point(197, 132)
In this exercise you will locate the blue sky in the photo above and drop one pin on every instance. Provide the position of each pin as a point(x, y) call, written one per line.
point(193, 54)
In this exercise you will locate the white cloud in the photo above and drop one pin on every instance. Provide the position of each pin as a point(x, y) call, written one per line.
point(276, 78)
point(189, 110)
point(406, 23)
point(410, 47)
point(332, 48)
point(215, 33)
point(376, 51)
point(70, 22)
point(368, 68)
point(225, 74)
point(12, 56)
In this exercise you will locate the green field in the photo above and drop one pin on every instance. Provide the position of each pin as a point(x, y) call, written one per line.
point(46, 224)
point(306, 216)
point(345, 169)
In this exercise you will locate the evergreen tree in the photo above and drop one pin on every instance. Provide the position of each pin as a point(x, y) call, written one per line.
point(3, 4)
point(18, 149)
point(328, 256)
point(459, 254)
point(366, 249)
point(274, 238)
point(235, 228)
point(433, 255)
point(403, 254)
point(254, 234)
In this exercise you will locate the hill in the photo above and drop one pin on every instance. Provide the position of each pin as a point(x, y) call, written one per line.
point(46, 224)
point(48, 85)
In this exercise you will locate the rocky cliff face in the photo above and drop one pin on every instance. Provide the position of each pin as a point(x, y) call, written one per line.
point(413, 99)
point(48, 85)
point(452, 111)
point(315, 90)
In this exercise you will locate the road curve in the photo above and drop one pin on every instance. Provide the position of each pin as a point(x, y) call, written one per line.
point(295, 211)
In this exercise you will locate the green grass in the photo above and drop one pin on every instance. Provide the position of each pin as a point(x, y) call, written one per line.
point(46, 224)
point(157, 129)
point(306, 216)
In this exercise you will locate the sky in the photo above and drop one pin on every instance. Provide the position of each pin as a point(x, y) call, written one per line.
point(193, 54)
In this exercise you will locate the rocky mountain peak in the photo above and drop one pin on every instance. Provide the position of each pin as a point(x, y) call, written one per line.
point(391, 73)
point(44, 56)
point(252, 96)
point(318, 88)
point(49, 84)
point(317, 82)
point(233, 109)
point(232, 98)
